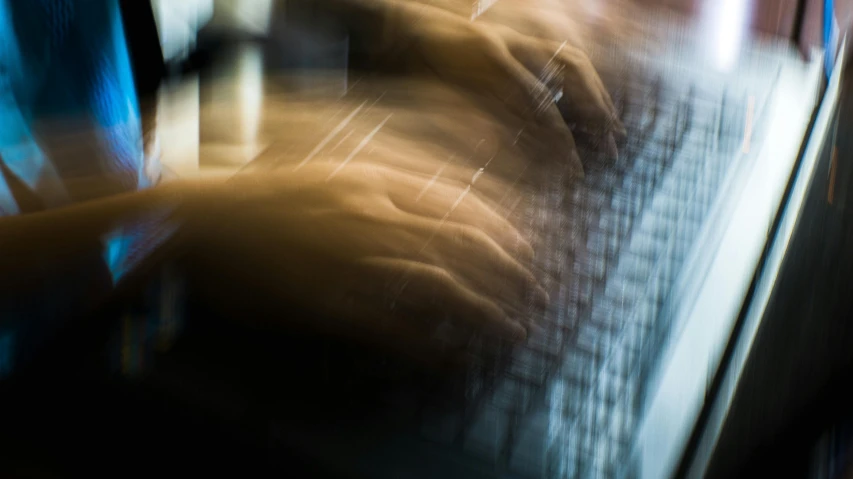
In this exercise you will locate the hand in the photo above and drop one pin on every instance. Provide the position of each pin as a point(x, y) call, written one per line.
point(575, 21)
point(532, 76)
point(370, 249)
point(427, 129)
point(579, 92)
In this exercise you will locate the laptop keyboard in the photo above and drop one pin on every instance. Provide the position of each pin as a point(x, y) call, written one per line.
point(614, 250)
point(567, 403)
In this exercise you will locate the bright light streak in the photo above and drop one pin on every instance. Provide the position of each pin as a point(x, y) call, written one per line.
point(729, 26)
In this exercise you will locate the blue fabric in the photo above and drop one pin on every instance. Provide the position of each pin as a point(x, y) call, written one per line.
point(828, 40)
point(74, 63)
point(68, 59)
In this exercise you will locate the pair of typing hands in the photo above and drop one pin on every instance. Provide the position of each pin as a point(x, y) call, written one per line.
point(389, 245)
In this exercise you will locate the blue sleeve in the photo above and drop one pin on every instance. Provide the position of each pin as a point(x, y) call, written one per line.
point(68, 59)
point(73, 62)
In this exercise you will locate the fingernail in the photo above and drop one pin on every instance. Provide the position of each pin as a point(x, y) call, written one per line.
point(534, 329)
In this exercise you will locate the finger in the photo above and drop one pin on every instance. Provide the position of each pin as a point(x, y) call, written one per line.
point(531, 100)
point(447, 240)
point(610, 147)
point(479, 260)
point(436, 198)
point(584, 98)
point(582, 64)
point(488, 187)
point(602, 142)
point(433, 290)
point(513, 295)
point(426, 335)
point(456, 204)
point(447, 169)
point(568, 68)
point(605, 92)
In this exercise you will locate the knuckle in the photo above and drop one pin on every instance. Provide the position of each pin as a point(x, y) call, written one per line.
point(371, 173)
point(480, 206)
point(467, 236)
point(441, 278)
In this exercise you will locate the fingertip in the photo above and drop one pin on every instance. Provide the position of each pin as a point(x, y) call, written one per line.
point(515, 331)
point(612, 149)
point(510, 329)
point(542, 296)
point(619, 130)
point(525, 248)
point(576, 165)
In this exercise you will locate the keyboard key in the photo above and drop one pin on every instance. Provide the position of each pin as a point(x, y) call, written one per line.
point(486, 436)
point(529, 452)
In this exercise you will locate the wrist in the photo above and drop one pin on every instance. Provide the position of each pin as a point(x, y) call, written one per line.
point(194, 203)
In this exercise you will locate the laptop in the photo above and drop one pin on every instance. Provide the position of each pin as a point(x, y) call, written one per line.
point(649, 258)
